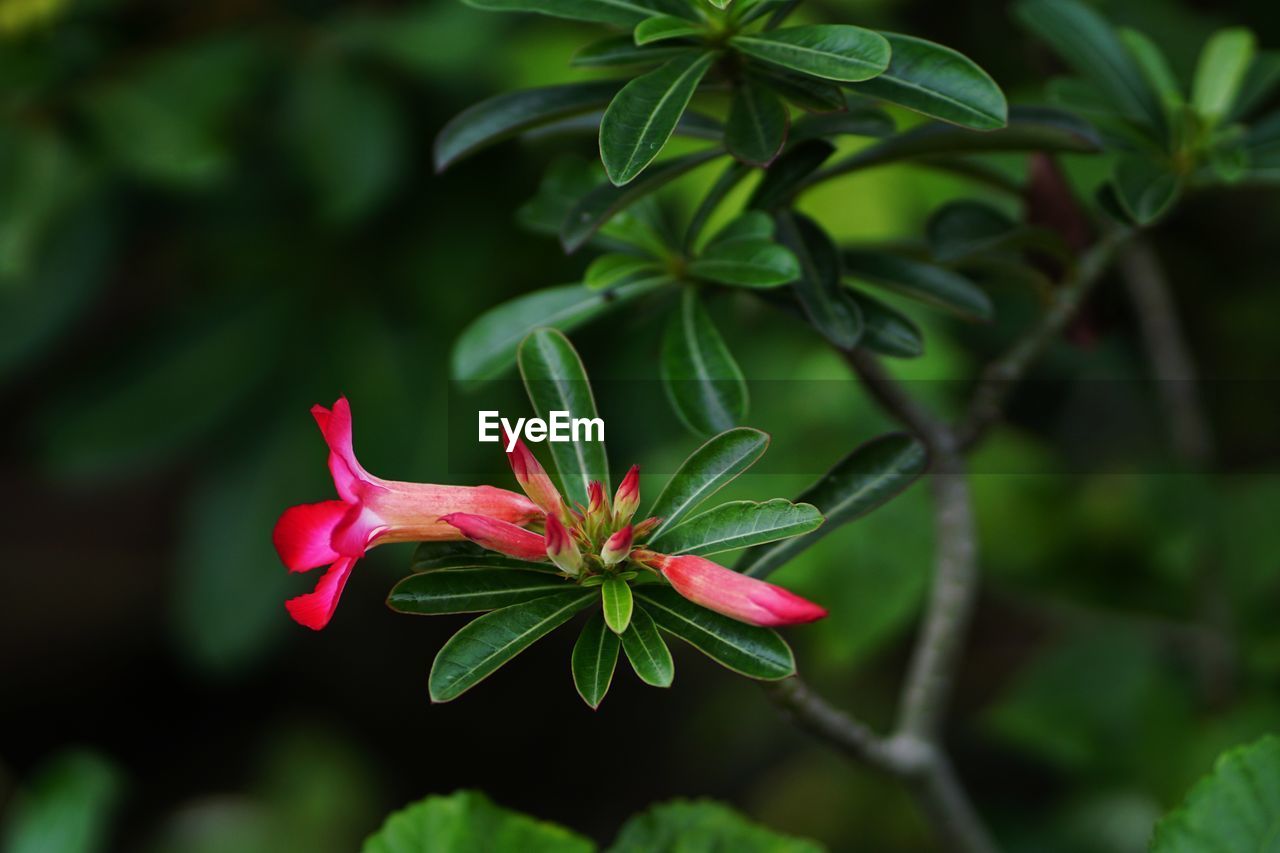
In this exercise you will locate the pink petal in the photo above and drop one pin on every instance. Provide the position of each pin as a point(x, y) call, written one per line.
point(500, 536)
point(335, 426)
point(315, 609)
point(734, 594)
point(302, 535)
point(355, 532)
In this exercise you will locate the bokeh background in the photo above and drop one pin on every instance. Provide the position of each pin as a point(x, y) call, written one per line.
point(215, 214)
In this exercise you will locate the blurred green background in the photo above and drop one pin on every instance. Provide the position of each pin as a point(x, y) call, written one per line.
point(213, 215)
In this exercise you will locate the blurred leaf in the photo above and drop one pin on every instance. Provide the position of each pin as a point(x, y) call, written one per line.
point(702, 826)
point(866, 478)
point(1145, 187)
point(40, 177)
point(830, 51)
point(759, 263)
point(434, 556)
point(707, 470)
point(809, 93)
point(886, 331)
point(757, 126)
point(966, 229)
point(615, 269)
point(939, 82)
point(470, 590)
point(1221, 71)
point(1259, 84)
point(1156, 69)
point(468, 822)
point(701, 377)
point(746, 649)
point(861, 121)
point(66, 807)
point(788, 172)
point(648, 653)
point(926, 282)
point(826, 305)
point(622, 50)
point(557, 382)
point(664, 28)
point(487, 642)
point(642, 116)
point(512, 113)
point(738, 524)
point(595, 656)
point(1236, 809)
point(622, 13)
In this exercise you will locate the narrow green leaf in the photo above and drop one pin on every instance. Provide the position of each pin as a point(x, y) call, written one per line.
point(886, 331)
point(757, 126)
point(926, 282)
point(865, 479)
point(487, 347)
point(615, 594)
point(622, 13)
point(615, 269)
point(489, 641)
point(862, 121)
point(504, 116)
point(746, 649)
point(556, 381)
point(711, 201)
point(809, 93)
point(663, 28)
point(433, 556)
point(738, 524)
point(1146, 187)
point(470, 590)
point(1221, 71)
point(594, 658)
point(603, 203)
point(752, 226)
point(707, 470)
point(1155, 68)
point(622, 50)
point(831, 51)
point(702, 379)
point(965, 227)
point(828, 308)
point(648, 653)
point(939, 82)
point(746, 263)
point(789, 172)
point(642, 116)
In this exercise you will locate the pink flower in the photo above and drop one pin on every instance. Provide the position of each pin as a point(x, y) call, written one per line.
point(496, 535)
point(370, 512)
point(731, 593)
point(627, 499)
point(561, 548)
point(533, 478)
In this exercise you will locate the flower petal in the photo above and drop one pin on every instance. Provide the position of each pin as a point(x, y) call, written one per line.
point(500, 536)
point(315, 609)
point(355, 532)
point(303, 534)
point(335, 426)
point(731, 593)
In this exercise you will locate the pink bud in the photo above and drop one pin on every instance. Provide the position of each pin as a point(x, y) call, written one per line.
point(500, 536)
point(596, 501)
point(561, 548)
point(627, 499)
point(533, 478)
point(731, 593)
point(617, 547)
point(644, 528)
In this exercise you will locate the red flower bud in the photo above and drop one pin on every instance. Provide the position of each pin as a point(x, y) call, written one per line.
point(731, 593)
point(561, 548)
point(617, 547)
point(499, 536)
point(627, 499)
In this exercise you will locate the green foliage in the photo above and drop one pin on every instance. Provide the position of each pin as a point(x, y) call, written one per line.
point(738, 524)
point(745, 649)
point(707, 470)
point(595, 655)
point(1236, 808)
point(704, 383)
point(67, 807)
point(702, 826)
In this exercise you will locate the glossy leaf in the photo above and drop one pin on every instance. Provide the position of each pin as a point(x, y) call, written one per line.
point(642, 116)
point(1221, 71)
point(489, 641)
point(433, 556)
point(738, 524)
point(664, 28)
point(603, 203)
point(746, 649)
point(865, 479)
point(789, 172)
point(862, 121)
point(647, 651)
point(468, 822)
point(809, 93)
point(887, 331)
point(470, 590)
point(623, 50)
point(487, 347)
point(1235, 809)
point(824, 302)
point(702, 380)
point(595, 656)
point(746, 263)
point(926, 282)
point(702, 827)
point(507, 115)
point(757, 126)
point(939, 82)
point(707, 470)
point(615, 596)
point(1146, 187)
point(614, 269)
point(622, 13)
point(831, 51)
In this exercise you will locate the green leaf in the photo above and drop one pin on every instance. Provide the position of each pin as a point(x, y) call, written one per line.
point(648, 653)
point(746, 649)
point(1259, 84)
point(642, 116)
point(615, 595)
point(487, 347)
point(507, 115)
point(752, 226)
point(789, 172)
point(622, 13)
point(926, 282)
point(857, 484)
point(862, 121)
point(1146, 187)
point(1090, 45)
point(828, 308)
point(732, 175)
point(886, 331)
point(622, 50)
point(1236, 809)
point(738, 524)
point(470, 590)
point(595, 656)
point(66, 807)
point(831, 51)
point(703, 381)
point(757, 126)
point(556, 381)
point(468, 822)
point(664, 27)
point(702, 826)
point(808, 93)
point(603, 203)
point(615, 269)
point(707, 470)
point(433, 556)
point(489, 641)
point(746, 263)
point(1221, 71)
point(939, 82)
point(1155, 68)
point(965, 227)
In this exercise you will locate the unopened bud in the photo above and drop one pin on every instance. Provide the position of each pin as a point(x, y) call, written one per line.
point(617, 547)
